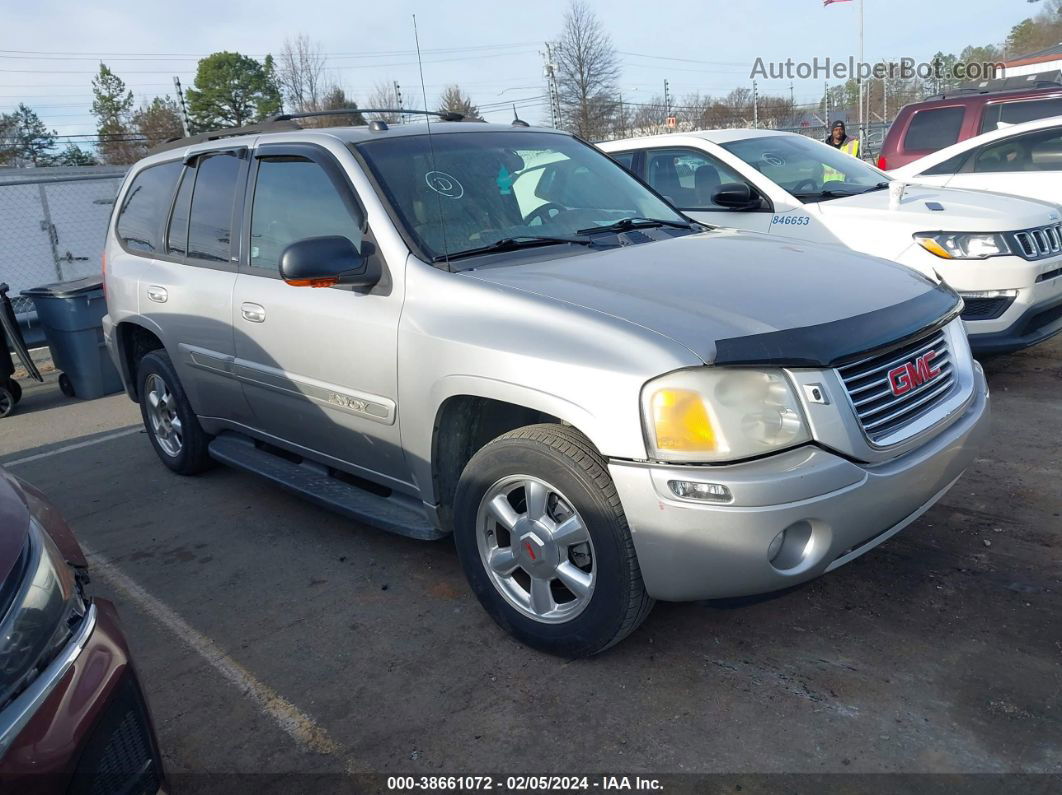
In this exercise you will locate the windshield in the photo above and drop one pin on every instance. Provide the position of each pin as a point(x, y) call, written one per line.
point(462, 192)
point(808, 169)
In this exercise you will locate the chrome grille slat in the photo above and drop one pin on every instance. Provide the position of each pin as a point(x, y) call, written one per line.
point(943, 387)
point(892, 363)
point(881, 413)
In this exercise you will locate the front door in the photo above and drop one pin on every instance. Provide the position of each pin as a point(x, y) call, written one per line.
point(688, 178)
point(318, 365)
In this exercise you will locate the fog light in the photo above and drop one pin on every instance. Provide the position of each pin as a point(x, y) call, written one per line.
point(691, 490)
point(991, 294)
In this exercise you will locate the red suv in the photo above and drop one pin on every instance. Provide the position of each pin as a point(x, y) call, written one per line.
point(922, 128)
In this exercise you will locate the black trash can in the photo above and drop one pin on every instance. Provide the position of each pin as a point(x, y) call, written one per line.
point(71, 314)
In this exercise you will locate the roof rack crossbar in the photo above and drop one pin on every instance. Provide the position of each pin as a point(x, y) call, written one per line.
point(445, 115)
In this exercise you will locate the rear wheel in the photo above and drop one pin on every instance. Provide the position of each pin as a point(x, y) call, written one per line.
point(169, 419)
point(544, 543)
point(15, 388)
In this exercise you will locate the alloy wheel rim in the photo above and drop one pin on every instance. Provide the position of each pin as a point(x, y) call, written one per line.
point(162, 414)
point(536, 549)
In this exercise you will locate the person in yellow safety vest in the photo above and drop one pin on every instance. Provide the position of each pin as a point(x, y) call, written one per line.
point(839, 139)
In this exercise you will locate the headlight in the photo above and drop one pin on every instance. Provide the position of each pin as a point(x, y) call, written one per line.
point(42, 609)
point(963, 245)
point(721, 414)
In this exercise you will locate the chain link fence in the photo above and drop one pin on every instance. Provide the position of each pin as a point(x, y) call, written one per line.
point(52, 224)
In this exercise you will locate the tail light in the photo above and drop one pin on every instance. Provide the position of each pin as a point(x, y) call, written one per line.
point(882, 163)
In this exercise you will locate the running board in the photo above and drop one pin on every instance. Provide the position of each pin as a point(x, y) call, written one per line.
point(395, 514)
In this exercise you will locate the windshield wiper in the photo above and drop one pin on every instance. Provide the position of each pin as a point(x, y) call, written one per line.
point(879, 186)
point(513, 243)
point(824, 194)
point(624, 224)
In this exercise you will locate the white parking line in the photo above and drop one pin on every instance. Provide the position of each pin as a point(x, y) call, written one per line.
point(298, 725)
point(76, 446)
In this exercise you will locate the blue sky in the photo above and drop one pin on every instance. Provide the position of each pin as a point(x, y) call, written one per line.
point(49, 49)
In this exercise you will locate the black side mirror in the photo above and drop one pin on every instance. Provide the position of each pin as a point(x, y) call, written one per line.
point(735, 196)
point(326, 262)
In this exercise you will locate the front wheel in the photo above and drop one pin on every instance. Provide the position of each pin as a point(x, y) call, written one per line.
point(544, 543)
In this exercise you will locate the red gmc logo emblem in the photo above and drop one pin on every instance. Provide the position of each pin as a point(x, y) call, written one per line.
point(908, 376)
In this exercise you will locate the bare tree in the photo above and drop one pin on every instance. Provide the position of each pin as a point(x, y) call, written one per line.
point(300, 72)
point(587, 72)
point(454, 100)
point(384, 95)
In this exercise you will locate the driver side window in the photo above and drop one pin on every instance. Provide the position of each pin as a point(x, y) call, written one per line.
point(294, 199)
point(688, 178)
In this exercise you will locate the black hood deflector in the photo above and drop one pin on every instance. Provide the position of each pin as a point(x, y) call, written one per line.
point(830, 344)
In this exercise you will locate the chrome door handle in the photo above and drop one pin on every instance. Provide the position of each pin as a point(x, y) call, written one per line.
point(253, 312)
point(157, 294)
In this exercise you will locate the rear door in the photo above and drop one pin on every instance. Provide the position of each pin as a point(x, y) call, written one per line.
point(184, 290)
point(319, 366)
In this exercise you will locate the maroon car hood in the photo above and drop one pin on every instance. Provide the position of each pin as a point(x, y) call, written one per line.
point(14, 523)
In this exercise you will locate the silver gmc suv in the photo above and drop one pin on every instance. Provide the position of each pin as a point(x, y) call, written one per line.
point(498, 332)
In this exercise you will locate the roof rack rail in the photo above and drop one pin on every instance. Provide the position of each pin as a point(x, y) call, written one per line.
point(445, 115)
point(281, 122)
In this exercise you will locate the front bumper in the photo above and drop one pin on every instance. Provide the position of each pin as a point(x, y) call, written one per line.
point(835, 508)
point(1037, 318)
point(88, 728)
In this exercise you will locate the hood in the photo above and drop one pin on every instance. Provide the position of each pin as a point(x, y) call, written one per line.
point(964, 210)
point(743, 297)
point(14, 524)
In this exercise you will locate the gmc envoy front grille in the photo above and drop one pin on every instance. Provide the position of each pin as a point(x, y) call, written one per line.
point(893, 389)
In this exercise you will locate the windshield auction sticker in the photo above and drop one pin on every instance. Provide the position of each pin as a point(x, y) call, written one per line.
point(444, 184)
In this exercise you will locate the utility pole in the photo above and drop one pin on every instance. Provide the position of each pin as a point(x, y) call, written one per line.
point(551, 85)
point(183, 107)
point(398, 98)
point(859, 75)
point(792, 97)
point(667, 102)
point(826, 105)
point(755, 105)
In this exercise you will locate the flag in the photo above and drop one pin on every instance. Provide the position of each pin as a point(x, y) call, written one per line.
point(827, 2)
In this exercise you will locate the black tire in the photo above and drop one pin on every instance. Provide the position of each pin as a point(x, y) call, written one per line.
point(7, 401)
point(66, 386)
point(192, 456)
point(15, 388)
point(566, 459)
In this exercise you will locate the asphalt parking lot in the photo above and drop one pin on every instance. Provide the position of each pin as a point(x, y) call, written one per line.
point(274, 637)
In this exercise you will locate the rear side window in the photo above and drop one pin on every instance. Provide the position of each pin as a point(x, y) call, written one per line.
point(210, 219)
point(145, 205)
point(1021, 111)
point(933, 129)
point(294, 199)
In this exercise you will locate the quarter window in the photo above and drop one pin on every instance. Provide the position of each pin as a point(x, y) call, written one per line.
point(294, 198)
point(933, 129)
point(145, 206)
point(210, 219)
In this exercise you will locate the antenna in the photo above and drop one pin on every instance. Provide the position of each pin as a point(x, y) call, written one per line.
point(431, 145)
point(517, 121)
